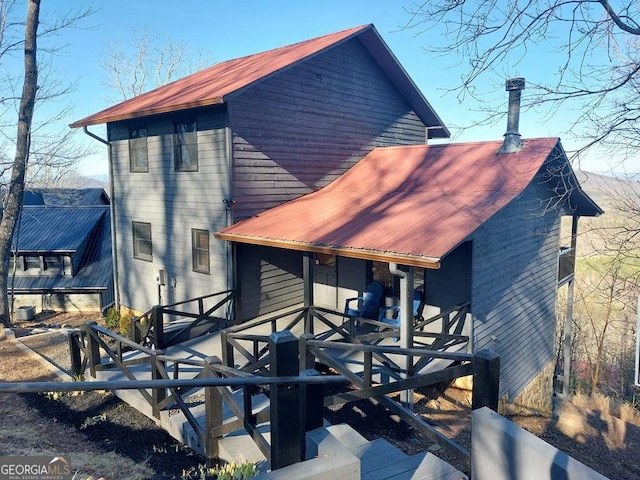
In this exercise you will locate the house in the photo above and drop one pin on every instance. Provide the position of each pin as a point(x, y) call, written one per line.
point(301, 174)
point(61, 254)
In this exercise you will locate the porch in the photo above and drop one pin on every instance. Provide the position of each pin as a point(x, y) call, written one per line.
point(291, 347)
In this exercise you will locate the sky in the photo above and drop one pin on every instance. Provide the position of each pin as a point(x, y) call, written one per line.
point(230, 29)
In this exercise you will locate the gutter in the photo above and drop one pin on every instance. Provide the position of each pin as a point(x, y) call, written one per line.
point(112, 206)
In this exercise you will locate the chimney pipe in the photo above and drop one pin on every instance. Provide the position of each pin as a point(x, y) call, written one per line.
point(512, 141)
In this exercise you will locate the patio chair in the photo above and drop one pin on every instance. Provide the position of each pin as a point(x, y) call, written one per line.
point(396, 313)
point(368, 305)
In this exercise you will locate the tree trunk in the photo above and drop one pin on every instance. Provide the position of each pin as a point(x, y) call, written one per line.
point(13, 201)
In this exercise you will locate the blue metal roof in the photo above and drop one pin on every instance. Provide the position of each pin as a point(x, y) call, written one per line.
point(56, 229)
point(95, 272)
point(66, 197)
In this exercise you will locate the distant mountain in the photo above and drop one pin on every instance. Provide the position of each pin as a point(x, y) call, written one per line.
point(607, 190)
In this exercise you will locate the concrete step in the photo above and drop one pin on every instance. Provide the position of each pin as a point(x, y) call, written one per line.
point(239, 447)
point(346, 434)
point(376, 454)
point(423, 466)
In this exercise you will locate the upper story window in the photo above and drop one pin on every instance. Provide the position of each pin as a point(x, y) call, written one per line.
point(200, 250)
point(142, 247)
point(185, 146)
point(138, 153)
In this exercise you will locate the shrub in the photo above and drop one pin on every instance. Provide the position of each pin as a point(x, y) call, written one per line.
point(125, 324)
point(112, 319)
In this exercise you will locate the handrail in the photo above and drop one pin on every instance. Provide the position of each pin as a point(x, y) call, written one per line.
point(415, 352)
point(254, 380)
point(125, 341)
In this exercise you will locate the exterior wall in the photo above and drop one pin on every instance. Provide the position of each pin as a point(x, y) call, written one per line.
point(173, 203)
point(352, 279)
point(269, 279)
point(61, 302)
point(536, 396)
point(514, 285)
point(450, 285)
point(304, 127)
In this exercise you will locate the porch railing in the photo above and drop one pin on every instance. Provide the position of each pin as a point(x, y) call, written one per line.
point(152, 329)
point(566, 264)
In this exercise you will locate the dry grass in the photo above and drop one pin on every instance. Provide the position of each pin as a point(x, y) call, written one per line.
point(23, 431)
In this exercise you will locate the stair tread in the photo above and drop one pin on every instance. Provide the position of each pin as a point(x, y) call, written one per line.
point(423, 466)
point(347, 434)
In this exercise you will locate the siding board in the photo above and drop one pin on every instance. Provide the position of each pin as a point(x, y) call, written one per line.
point(514, 286)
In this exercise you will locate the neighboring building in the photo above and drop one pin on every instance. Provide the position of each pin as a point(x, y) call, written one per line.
point(222, 150)
point(63, 258)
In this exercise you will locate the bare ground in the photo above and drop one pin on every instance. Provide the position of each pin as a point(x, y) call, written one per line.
point(125, 444)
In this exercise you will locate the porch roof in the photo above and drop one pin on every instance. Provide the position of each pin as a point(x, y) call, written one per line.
point(410, 204)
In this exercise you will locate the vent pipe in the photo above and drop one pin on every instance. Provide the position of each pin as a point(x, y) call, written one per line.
point(512, 141)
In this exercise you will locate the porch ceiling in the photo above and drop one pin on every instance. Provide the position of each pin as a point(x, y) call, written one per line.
point(411, 205)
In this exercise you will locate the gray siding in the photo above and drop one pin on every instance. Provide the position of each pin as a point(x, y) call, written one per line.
point(450, 285)
point(173, 203)
point(306, 126)
point(514, 286)
point(269, 279)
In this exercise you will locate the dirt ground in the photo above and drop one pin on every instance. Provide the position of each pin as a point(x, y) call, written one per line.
point(108, 439)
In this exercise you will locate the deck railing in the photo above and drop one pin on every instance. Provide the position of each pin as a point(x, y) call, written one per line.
point(252, 360)
point(152, 329)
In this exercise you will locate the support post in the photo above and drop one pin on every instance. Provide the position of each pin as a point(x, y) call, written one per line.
point(93, 348)
point(287, 429)
point(307, 276)
point(566, 374)
point(158, 327)
point(312, 396)
point(157, 394)
point(227, 350)
point(406, 325)
point(75, 352)
point(213, 414)
point(486, 380)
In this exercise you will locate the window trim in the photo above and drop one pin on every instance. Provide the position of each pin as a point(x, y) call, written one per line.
point(195, 232)
point(132, 167)
point(178, 164)
point(136, 249)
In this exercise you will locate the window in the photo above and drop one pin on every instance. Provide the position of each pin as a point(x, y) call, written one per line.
point(138, 154)
point(32, 262)
point(185, 146)
point(53, 265)
point(142, 241)
point(200, 250)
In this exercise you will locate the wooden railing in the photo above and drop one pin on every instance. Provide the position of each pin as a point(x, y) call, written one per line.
point(151, 329)
point(258, 351)
point(288, 391)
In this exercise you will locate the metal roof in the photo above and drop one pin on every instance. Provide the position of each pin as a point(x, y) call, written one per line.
point(221, 82)
point(409, 204)
point(50, 229)
point(95, 273)
point(66, 196)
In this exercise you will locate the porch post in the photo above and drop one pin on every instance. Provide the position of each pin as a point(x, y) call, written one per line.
point(566, 374)
point(406, 324)
point(307, 276)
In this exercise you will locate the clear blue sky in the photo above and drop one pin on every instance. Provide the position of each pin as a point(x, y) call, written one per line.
point(230, 29)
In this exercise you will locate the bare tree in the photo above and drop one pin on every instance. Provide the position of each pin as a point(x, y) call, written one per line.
point(37, 143)
point(13, 201)
point(589, 46)
point(145, 62)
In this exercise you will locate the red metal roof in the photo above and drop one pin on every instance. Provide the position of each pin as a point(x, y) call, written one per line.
point(220, 82)
point(409, 204)
point(209, 86)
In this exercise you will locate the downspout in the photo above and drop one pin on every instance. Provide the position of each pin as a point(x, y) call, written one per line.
point(112, 206)
point(406, 325)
